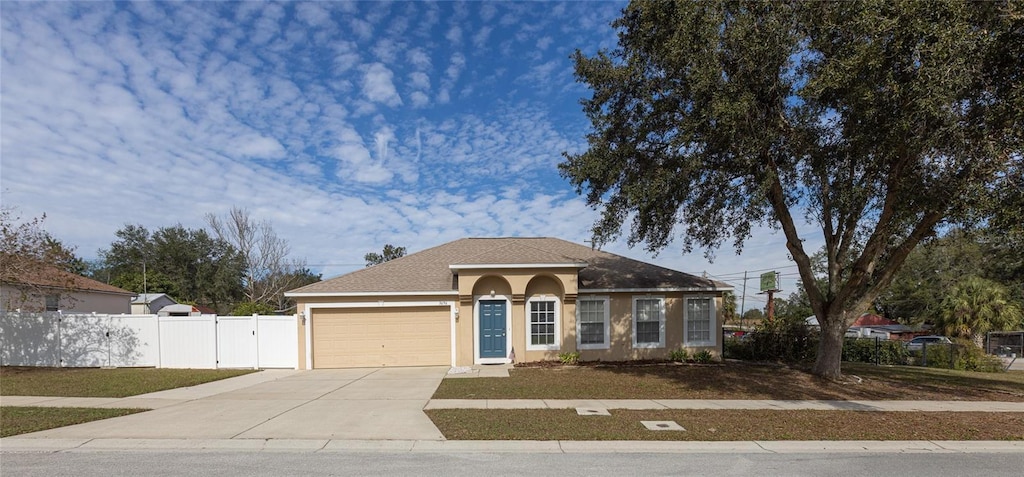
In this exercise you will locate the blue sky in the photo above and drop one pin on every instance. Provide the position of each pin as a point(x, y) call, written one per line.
point(347, 125)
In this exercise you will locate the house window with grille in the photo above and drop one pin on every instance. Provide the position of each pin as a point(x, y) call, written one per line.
point(649, 322)
point(543, 324)
point(592, 323)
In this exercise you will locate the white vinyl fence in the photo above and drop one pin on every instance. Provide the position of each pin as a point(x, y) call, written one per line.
point(90, 340)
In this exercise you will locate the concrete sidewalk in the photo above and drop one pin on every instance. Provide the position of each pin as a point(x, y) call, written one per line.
point(154, 400)
point(660, 404)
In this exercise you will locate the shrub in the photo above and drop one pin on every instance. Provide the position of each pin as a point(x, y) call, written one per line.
point(863, 350)
point(963, 355)
point(250, 308)
point(703, 357)
point(680, 355)
point(779, 340)
point(569, 357)
point(736, 348)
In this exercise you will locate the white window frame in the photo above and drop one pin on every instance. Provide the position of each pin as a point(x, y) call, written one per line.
point(607, 324)
point(529, 321)
point(661, 322)
point(712, 325)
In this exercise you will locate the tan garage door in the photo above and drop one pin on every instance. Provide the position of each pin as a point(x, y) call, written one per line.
point(381, 336)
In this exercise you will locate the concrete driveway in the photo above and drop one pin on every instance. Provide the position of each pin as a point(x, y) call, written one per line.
point(363, 404)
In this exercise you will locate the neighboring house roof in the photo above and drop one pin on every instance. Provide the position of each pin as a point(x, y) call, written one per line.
point(144, 298)
point(436, 269)
point(51, 277)
point(870, 319)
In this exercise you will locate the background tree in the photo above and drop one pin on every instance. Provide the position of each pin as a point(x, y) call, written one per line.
point(190, 265)
point(752, 317)
point(875, 121)
point(389, 253)
point(729, 308)
point(976, 306)
point(28, 250)
point(267, 272)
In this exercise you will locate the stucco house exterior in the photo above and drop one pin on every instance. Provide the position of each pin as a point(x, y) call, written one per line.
point(499, 300)
point(51, 289)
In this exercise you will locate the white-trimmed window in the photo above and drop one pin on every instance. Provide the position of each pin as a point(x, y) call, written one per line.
point(700, 322)
point(542, 323)
point(592, 326)
point(648, 322)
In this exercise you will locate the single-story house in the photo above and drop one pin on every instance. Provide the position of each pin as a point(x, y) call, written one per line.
point(150, 303)
point(46, 288)
point(499, 300)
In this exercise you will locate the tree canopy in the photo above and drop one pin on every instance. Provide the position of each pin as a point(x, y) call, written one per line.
point(190, 265)
point(389, 253)
point(266, 271)
point(27, 250)
point(874, 121)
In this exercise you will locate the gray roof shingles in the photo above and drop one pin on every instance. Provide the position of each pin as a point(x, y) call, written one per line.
point(431, 270)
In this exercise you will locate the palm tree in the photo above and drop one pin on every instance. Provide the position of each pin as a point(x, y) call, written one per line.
point(976, 306)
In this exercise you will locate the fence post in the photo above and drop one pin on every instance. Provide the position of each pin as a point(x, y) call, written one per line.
point(256, 338)
point(60, 344)
point(878, 352)
point(924, 354)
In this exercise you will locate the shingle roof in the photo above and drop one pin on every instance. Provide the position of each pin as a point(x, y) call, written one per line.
point(50, 277)
point(431, 270)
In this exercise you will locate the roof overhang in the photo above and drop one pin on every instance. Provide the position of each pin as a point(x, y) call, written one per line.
point(343, 294)
point(492, 266)
point(654, 290)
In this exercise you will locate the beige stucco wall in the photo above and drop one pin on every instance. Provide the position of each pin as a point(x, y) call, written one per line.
point(518, 285)
point(621, 324)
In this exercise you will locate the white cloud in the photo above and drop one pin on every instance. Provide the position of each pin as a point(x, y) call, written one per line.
point(377, 85)
point(143, 113)
point(419, 99)
point(418, 58)
point(454, 35)
point(419, 80)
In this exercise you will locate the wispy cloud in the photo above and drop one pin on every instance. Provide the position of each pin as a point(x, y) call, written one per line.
point(348, 124)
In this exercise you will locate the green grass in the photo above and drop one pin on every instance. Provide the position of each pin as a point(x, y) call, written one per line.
point(95, 382)
point(726, 425)
point(22, 420)
point(734, 380)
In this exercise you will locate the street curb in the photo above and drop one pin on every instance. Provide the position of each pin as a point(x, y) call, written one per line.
point(27, 445)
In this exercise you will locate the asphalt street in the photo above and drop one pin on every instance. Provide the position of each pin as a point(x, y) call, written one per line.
point(225, 464)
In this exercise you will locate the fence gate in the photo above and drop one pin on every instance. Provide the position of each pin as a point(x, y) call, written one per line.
point(236, 342)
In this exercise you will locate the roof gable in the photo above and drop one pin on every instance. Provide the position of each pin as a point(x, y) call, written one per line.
point(430, 270)
point(52, 277)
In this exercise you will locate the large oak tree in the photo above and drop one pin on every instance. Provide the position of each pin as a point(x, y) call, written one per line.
point(878, 122)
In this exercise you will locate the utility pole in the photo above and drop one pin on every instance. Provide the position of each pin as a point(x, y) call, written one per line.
point(743, 299)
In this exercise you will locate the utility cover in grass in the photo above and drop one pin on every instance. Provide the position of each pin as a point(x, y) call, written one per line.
point(592, 411)
point(662, 426)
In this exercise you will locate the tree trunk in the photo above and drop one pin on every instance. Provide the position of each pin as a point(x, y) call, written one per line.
point(830, 347)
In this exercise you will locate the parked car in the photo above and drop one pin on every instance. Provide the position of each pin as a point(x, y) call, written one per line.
point(918, 342)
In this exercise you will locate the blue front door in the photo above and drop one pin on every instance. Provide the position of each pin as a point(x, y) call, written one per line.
point(492, 329)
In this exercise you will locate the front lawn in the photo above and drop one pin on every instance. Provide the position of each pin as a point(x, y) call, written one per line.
point(96, 382)
point(726, 425)
point(734, 380)
point(22, 420)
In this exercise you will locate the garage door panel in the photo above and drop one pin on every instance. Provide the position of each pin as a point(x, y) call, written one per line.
point(381, 336)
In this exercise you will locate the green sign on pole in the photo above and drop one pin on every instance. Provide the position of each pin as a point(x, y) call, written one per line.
point(770, 281)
